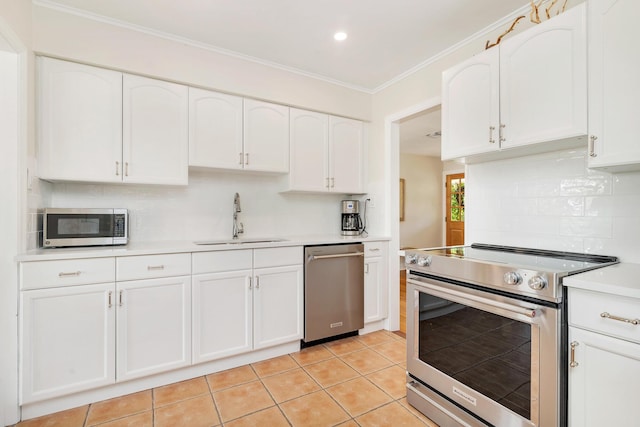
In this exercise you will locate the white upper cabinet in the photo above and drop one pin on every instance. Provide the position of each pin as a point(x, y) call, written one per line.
point(529, 90)
point(614, 88)
point(215, 130)
point(470, 106)
point(155, 131)
point(346, 155)
point(309, 151)
point(80, 122)
point(327, 153)
point(266, 137)
point(99, 125)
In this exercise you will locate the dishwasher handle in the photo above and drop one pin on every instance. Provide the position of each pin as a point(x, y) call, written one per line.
point(350, 254)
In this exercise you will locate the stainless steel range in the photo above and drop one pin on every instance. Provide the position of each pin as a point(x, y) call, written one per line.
point(486, 334)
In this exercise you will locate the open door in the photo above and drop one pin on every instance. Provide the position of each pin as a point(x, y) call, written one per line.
point(455, 209)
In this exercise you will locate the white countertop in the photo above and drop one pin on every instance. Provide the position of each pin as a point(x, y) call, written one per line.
point(619, 279)
point(163, 247)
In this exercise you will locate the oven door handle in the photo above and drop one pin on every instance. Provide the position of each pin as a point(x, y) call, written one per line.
point(477, 302)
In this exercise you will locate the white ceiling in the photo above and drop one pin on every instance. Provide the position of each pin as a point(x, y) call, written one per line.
point(387, 38)
point(416, 133)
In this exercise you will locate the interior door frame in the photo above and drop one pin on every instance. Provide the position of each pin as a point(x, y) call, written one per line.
point(392, 208)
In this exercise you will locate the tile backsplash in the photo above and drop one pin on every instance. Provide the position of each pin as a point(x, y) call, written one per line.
point(553, 201)
point(203, 209)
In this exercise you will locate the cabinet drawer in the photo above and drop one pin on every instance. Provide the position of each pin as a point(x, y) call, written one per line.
point(53, 274)
point(372, 249)
point(276, 257)
point(153, 266)
point(586, 309)
point(218, 261)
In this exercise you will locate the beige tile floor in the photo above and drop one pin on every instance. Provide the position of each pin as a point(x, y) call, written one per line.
point(358, 381)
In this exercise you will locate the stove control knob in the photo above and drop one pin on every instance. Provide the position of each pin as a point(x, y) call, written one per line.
point(512, 278)
point(410, 259)
point(424, 261)
point(537, 283)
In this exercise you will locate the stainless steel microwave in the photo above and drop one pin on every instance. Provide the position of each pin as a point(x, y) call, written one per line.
point(84, 227)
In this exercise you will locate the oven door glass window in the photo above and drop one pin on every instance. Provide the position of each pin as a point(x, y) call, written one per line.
point(487, 352)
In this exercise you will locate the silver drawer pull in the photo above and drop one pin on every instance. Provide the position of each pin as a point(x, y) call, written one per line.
point(155, 267)
point(349, 254)
point(606, 315)
point(374, 249)
point(573, 362)
point(69, 274)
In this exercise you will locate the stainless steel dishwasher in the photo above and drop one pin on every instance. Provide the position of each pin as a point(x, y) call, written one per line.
point(333, 290)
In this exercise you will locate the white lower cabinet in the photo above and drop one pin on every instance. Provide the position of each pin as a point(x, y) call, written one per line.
point(603, 385)
point(604, 356)
point(222, 314)
point(277, 305)
point(245, 300)
point(376, 290)
point(68, 340)
point(153, 326)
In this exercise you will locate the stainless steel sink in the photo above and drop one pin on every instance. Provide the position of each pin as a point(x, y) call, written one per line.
point(239, 241)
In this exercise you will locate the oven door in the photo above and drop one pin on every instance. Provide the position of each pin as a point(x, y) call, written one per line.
point(495, 356)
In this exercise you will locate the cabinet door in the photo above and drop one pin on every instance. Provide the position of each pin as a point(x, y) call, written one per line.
point(375, 293)
point(346, 155)
point(543, 81)
point(153, 325)
point(68, 340)
point(309, 151)
point(600, 390)
point(215, 129)
point(470, 106)
point(222, 315)
point(614, 87)
point(266, 136)
point(155, 131)
point(80, 122)
point(376, 278)
point(278, 306)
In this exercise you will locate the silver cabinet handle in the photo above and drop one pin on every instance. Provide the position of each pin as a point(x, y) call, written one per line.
point(126, 168)
point(246, 159)
point(491, 139)
point(120, 299)
point(69, 274)
point(573, 362)
point(374, 249)
point(333, 182)
point(606, 315)
point(155, 267)
point(366, 268)
point(240, 156)
point(592, 146)
point(110, 302)
point(257, 282)
point(327, 183)
point(117, 168)
point(501, 133)
point(250, 281)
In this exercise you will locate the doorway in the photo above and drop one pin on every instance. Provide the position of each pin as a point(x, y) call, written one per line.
point(454, 205)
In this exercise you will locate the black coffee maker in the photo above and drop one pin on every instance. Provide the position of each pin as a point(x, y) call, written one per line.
point(351, 220)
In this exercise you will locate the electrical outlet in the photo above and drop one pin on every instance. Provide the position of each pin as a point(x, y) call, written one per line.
point(372, 203)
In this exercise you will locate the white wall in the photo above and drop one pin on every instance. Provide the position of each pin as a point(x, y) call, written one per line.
point(422, 225)
point(553, 201)
point(15, 112)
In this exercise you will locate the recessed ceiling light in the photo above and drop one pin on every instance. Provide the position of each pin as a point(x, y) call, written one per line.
point(340, 36)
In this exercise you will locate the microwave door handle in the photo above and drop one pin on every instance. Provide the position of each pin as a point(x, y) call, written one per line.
point(480, 302)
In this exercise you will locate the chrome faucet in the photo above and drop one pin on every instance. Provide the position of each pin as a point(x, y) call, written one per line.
point(237, 229)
